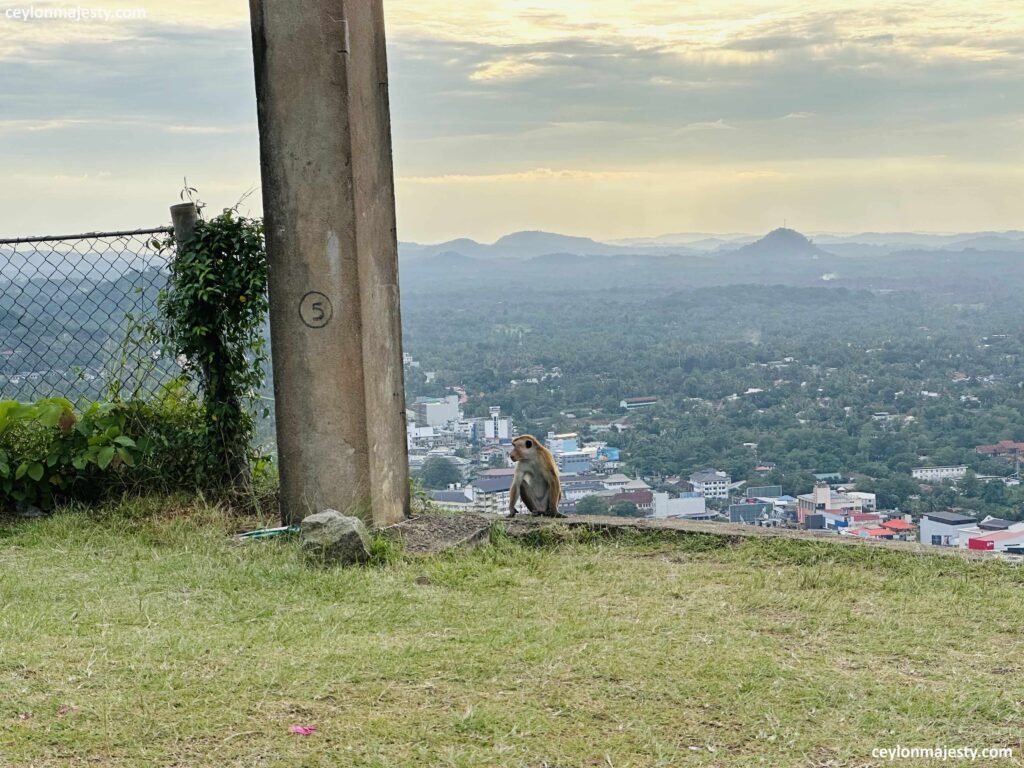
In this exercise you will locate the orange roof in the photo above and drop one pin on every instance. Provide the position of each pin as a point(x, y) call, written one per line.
point(897, 525)
point(878, 532)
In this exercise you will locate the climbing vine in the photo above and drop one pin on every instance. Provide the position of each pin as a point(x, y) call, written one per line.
point(212, 318)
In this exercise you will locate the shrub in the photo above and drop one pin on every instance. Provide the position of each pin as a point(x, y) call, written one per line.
point(48, 450)
point(172, 426)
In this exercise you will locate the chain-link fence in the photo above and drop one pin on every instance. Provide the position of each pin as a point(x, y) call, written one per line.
point(73, 311)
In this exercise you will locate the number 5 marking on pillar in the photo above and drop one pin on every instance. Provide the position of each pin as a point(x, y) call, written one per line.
point(315, 309)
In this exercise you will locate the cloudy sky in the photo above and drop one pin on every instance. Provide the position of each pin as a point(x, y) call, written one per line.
point(592, 117)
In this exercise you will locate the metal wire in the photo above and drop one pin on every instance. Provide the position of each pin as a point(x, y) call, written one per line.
point(72, 314)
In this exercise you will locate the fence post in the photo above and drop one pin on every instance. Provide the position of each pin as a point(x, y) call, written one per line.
point(184, 217)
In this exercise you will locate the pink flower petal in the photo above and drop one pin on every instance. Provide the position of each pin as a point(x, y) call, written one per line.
point(304, 730)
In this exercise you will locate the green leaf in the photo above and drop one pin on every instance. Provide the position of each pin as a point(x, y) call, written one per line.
point(49, 415)
point(79, 462)
point(126, 456)
point(105, 456)
point(35, 471)
point(20, 471)
point(124, 440)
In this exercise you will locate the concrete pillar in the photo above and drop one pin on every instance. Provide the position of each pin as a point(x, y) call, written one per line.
point(329, 211)
point(184, 217)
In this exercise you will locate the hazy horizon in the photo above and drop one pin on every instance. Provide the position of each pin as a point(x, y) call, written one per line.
point(811, 234)
point(584, 118)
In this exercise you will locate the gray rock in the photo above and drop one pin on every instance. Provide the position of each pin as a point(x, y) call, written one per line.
point(29, 511)
point(331, 538)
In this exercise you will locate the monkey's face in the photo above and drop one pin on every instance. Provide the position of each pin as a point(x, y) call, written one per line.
point(522, 449)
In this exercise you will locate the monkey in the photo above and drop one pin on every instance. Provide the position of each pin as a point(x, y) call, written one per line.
point(536, 478)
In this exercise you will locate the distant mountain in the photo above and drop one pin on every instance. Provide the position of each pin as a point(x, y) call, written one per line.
point(896, 240)
point(787, 245)
point(531, 244)
point(988, 243)
point(543, 243)
point(703, 241)
point(780, 243)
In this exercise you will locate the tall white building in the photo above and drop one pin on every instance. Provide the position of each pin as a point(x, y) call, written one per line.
point(497, 428)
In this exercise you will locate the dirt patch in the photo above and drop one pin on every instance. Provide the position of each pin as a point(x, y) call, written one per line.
point(431, 534)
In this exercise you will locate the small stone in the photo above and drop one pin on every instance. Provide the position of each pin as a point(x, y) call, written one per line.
point(29, 511)
point(332, 538)
point(423, 580)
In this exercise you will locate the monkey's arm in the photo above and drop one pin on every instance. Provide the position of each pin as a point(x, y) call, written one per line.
point(513, 499)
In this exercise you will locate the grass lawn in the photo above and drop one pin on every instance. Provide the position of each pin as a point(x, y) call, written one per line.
point(146, 636)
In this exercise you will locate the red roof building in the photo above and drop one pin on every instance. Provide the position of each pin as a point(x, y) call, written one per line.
point(876, 533)
point(898, 526)
point(1002, 448)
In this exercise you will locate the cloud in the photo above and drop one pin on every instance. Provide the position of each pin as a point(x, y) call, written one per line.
point(778, 43)
point(575, 99)
point(706, 125)
point(532, 175)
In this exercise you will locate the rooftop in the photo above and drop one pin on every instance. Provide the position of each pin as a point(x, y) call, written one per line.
point(708, 475)
point(493, 484)
point(995, 524)
point(878, 532)
point(450, 497)
point(634, 497)
point(1000, 536)
point(897, 525)
point(951, 518)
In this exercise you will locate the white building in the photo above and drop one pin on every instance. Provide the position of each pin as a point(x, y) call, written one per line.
point(632, 403)
point(457, 498)
point(497, 428)
point(938, 474)
point(711, 484)
point(943, 529)
point(491, 495)
point(616, 482)
point(868, 501)
point(691, 507)
point(436, 411)
point(574, 462)
point(995, 541)
point(417, 435)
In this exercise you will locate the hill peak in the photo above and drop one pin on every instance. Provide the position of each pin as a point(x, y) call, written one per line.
point(782, 242)
point(785, 236)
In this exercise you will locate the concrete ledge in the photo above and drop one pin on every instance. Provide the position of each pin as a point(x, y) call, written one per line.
point(428, 535)
point(523, 524)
